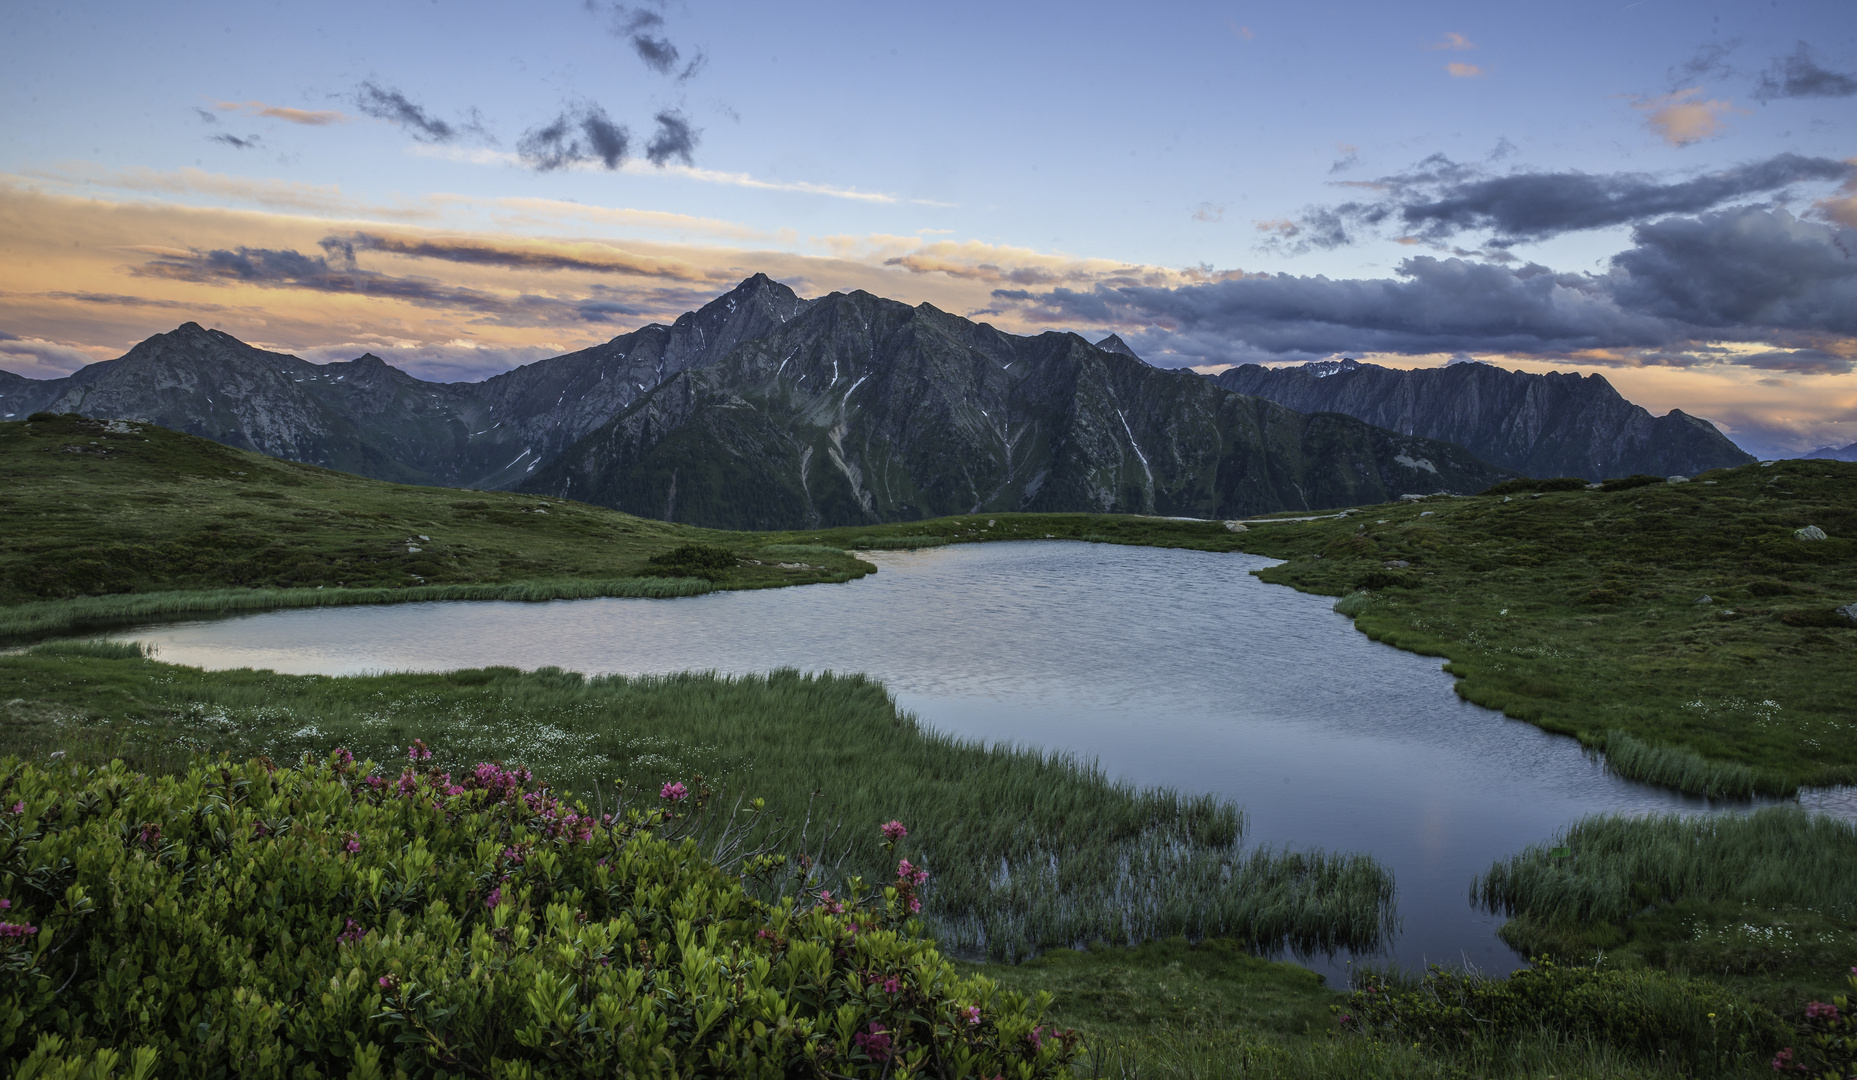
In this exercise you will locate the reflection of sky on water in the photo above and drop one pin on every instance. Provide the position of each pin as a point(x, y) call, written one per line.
point(1170, 667)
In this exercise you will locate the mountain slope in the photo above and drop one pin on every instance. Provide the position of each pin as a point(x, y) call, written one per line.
point(1849, 453)
point(861, 409)
point(1541, 425)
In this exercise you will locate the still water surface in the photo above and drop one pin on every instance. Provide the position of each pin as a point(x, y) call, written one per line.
point(1170, 667)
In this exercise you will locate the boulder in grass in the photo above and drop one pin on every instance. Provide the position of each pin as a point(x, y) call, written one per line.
point(1849, 611)
point(1810, 532)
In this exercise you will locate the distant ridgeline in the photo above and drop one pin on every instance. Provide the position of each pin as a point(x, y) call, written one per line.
point(1540, 425)
point(765, 410)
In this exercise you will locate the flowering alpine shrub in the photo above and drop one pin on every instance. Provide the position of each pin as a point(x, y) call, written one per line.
point(1827, 1041)
point(1646, 1011)
point(335, 920)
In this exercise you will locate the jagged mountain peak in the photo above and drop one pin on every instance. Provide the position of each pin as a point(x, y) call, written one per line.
point(1114, 343)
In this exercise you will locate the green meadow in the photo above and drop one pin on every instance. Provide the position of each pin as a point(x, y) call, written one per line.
point(1580, 610)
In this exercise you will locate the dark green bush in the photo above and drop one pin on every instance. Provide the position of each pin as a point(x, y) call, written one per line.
point(1643, 1011)
point(1626, 483)
point(1524, 485)
point(242, 920)
point(706, 561)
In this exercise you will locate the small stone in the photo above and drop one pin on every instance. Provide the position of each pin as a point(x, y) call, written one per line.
point(1705, 598)
point(1676, 479)
point(1849, 611)
point(1428, 513)
point(1810, 532)
point(1397, 564)
point(1505, 498)
point(1237, 526)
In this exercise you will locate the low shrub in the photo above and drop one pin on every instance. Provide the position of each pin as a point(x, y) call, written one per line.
point(1524, 485)
point(334, 919)
point(1826, 1040)
point(706, 561)
point(1626, 483)
point(1646, 1012)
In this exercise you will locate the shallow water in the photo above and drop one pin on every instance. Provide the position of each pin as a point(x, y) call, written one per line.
point(1171, 667)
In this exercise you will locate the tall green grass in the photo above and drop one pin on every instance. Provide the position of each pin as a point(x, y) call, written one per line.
point(902, 543)
point(44, 618)
point(1609, 868)
point(1688, 771)
point(1027, 850)
point(1353, 603)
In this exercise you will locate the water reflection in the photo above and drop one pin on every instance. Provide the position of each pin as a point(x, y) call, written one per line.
point(1170, 667)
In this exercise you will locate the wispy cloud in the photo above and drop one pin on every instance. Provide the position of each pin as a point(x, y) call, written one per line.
point(389, 104)
point(675, 138)
point(524, 255)
point(1801, 76)
point(581, 135)
point(1461, 70)
point(305, 117)
point(1452, 41)
point(237, 143)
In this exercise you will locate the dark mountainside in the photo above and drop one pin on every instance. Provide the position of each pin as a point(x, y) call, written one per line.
point(862, 409)
point(1541, 425)
point(765, 410)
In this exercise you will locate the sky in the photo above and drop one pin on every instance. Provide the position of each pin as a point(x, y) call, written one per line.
point(1663, 192)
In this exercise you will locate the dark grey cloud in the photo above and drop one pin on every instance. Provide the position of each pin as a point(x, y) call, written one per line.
point(1743, 268)
point(246, 143)
point(581, 133)
point(489, 253)
point(1439, 198)
point(658, 53)
point(1745, 274)
point(206, 116)
point(643, 28)
point(675, 138)
point(1801, 76)
point(389, 104)
point(1710, 61)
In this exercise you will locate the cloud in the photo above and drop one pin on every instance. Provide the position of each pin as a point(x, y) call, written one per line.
point(1439, 198)
point(205, 116)
point(658, 53)
point(1461, 70)
point(247, 143)
point(1209, 212)
point(641, 27)
point(1350, 157)
point(386, 103)
point(1800, 76)
point(1710, 61)
point(1242, 33)
point(1680, 120)
point(1453, 41)
point(1742, 268)
point(581, 134)
point(533, 255)
point(675, 138)
point(37, 358)
point(1744, 274)
point(306, 117)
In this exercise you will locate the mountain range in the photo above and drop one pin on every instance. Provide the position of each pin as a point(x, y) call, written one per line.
point(766, 410)
point(1541, 425)
point(1848, 453)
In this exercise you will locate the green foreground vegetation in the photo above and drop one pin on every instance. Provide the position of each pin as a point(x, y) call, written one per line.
point(1571, 608)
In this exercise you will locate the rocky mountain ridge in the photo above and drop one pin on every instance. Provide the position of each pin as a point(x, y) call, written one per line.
point(1541, 425)
point(763, 409)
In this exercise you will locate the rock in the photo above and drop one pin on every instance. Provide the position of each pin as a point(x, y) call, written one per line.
point(1849, 611)
point(1428, 513)
point(1505, 498)
point(1810, 532)
point(1676, 479)
point(1397, 564)
point(1705, 598)
point(1237, 526)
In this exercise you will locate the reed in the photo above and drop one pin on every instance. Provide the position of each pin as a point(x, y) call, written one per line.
point(896, 543)
point(1028, 850)
point(44, 618)
point(1609, 868)
point(1688, 771)
point(1353, 603)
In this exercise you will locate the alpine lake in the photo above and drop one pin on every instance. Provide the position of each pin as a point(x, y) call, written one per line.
point(1170, 667)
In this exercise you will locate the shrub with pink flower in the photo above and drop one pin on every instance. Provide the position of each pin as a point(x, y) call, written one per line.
point(673, 792)
point(894, 831)
point(875, 1042)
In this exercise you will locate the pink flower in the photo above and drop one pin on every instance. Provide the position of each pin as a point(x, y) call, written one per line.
point(341, 759)
point(915, 905)
point(20, 808)
point(673, 792)
point(4, 904)
point(386, 982)
point(831, 906)
point(875, 1042)
point(1819, 1009)
point(350, 933)
point(418, 751)
point(352, 843)
point(495, 897)
point(8, 929)
point(908, 873)
point(1037, 1038)
point(892, 985)
point(971, 1014)
point(894, 831)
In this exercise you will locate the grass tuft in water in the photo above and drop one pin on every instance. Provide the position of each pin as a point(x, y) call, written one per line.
point(1688, 771)
point(1353, 604)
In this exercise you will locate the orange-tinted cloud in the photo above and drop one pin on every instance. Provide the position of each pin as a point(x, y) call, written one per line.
point(1453, 41)
point(1681, 119)
point(306, 117)
point(1461, 70)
